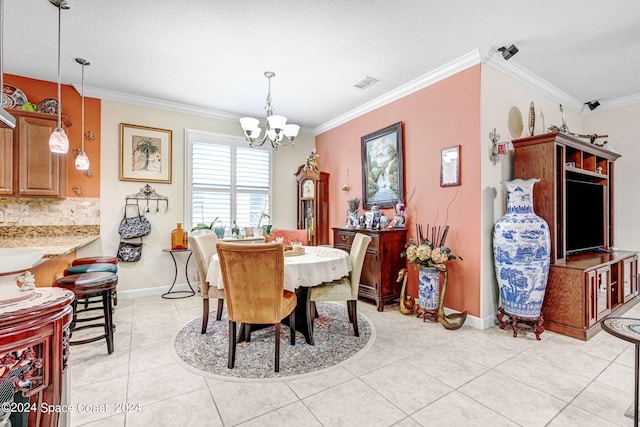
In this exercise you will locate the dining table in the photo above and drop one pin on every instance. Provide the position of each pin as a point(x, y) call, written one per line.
point(318, 264)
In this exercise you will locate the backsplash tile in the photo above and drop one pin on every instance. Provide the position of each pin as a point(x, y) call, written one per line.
point(71, 211)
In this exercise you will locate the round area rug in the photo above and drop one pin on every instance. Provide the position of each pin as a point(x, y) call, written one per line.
point(206, 354)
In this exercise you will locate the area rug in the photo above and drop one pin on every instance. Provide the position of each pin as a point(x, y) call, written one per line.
point(334, 344)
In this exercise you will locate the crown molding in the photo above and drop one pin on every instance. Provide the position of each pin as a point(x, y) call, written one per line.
point(625, 101)
point(111, 95)
point(460, 64)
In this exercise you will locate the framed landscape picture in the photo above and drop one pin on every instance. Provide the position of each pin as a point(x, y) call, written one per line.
point(382, 168)
point(145, 154)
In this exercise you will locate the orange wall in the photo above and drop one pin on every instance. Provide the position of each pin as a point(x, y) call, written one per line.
point(37, 90)
point(444, 114)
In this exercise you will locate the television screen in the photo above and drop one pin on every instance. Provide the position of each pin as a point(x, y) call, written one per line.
point(585, 206)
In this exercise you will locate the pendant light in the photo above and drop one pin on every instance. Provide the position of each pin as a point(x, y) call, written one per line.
point(82, 160)
point(58, 141)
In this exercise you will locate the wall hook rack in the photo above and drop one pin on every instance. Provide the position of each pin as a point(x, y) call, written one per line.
point(147, 193)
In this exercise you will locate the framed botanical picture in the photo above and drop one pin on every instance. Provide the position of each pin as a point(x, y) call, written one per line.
point(382, 168)
point(450, 166)
point(145, 154)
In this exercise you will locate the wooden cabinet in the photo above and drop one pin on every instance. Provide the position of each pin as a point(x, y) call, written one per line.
point(587, 288)
point(28, 168)
point(34, 344)
point(382, 262)
point(313, 203)
point(587, 281)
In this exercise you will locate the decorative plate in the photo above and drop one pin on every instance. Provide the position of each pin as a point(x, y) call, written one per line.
point(515, 122)
point(48, 106)
point(532, 118)
point(8, 101)
point(14, 93)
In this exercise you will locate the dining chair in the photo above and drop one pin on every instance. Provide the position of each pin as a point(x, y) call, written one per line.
point(204, 247)
point(253, 278)
point(289, 236)
point(346, 288)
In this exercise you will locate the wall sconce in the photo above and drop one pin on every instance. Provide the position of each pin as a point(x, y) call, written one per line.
point(497, 148)
point(508, 52)
point(592, 104)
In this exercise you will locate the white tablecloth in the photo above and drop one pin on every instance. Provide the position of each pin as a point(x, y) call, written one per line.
point(318, 264)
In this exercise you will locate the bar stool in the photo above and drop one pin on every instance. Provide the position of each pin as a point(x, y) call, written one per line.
point(94, 264)
point(86, 286)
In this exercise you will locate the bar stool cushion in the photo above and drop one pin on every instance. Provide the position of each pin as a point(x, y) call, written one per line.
point(88, 283)
point(91, 268)
point(95, 260)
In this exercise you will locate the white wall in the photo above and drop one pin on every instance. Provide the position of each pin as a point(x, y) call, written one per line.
point(621, 124)
point(155, 270)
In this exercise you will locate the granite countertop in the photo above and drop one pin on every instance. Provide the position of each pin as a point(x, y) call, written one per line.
point(54, 246)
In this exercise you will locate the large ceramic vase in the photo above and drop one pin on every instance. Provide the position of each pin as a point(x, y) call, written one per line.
point(429, 288)
point(521, 247)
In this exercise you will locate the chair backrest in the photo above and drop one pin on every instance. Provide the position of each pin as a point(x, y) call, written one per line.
point(356, 254)
point(289, 236)
point(203, 247)
point(253, 277)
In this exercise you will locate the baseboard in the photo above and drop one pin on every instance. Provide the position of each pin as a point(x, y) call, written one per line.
point(147, 292)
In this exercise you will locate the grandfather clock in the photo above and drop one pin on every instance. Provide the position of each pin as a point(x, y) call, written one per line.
point(313, 203)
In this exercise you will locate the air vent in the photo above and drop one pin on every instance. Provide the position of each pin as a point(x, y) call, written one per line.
point(366, 82)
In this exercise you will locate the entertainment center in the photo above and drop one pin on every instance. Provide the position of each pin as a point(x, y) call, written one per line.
point(588, 279)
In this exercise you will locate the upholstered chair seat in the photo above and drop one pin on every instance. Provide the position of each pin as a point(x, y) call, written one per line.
point(289, 236)
point(253, 277)
point(346, 288)
point(204, 247)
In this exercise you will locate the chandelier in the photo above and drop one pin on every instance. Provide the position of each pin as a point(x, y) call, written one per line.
point(276, 130)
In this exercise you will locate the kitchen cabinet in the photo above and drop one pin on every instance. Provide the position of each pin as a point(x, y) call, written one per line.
point(28, 167)
point(382, 261)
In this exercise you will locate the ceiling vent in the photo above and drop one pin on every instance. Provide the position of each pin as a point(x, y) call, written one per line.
point(366, 82)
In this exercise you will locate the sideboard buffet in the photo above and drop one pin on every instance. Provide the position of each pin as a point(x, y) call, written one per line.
point(589, 279)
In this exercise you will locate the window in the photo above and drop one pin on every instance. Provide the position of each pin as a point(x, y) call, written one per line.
point(227, 179)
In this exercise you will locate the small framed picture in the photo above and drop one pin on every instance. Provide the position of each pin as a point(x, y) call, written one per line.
point(145, 154)
point(502, 148)
point(450, 166)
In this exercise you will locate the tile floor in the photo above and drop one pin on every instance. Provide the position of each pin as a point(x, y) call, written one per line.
point(416, 374)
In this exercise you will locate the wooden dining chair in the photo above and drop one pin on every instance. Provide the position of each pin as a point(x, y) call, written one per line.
point(346, 288)
point(204, 247)
point(253, 277)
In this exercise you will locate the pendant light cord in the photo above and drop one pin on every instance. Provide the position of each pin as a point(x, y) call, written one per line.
point(82, 94)
point(59, 67)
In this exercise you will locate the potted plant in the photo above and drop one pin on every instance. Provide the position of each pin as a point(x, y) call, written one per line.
point(266, 229)
point(202, 227)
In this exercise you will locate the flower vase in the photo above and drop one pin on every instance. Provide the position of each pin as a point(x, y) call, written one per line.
point(521, 248)
point(429, 288)
point(352, 219)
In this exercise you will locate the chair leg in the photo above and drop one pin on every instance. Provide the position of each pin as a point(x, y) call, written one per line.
point(354, 316)
point(232, 344)
point(108, 320)
point(220, 307)
point(205, 315)
point(277, 360)
point(350, 311)
point(292, 327)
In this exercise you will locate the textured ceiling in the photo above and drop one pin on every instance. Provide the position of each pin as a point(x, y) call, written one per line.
point(211, 54)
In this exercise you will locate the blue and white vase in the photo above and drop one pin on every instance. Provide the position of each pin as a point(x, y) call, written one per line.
point(429, 288)
point(521, 248)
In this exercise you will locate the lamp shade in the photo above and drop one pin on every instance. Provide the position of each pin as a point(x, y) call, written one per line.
point(58, 141)
point(249, 123)
point(277, 122)
point(291, 131)
point(82, 161)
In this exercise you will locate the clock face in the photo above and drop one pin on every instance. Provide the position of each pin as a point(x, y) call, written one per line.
point(308, 189)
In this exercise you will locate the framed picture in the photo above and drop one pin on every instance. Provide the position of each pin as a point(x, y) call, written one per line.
point(382, 168)
point(145, 154)
point(450, 166)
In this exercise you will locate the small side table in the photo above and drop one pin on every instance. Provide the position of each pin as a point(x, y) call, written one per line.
point(171, 294)
point(629, 330)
